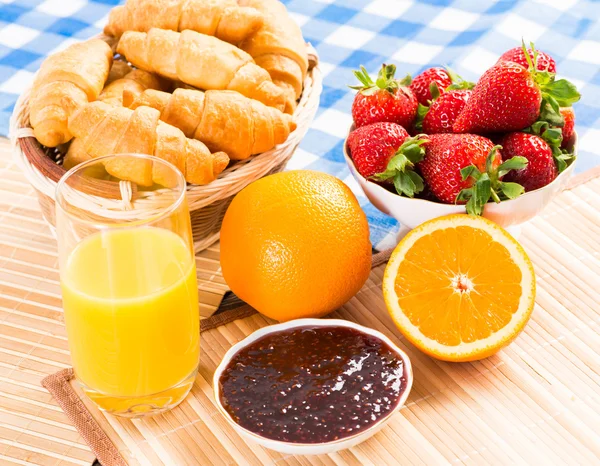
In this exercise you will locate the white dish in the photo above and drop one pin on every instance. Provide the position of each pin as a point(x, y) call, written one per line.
point(309, 448)
point(412, 212)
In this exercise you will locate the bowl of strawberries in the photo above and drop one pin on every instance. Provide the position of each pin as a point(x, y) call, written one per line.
point(437, 145)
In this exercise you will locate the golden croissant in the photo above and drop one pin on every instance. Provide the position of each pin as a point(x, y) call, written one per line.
point(118, 70)
point(223, 120)
point(75, 155)
point(279, 48)
point(201, 61)
point(120, 77)
point(65, 82)
point(224, 19)
point(104, 129)
point(135, 80)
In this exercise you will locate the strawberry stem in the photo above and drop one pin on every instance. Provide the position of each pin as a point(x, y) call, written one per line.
point(400, 168)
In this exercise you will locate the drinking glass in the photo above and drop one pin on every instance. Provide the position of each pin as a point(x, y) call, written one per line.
point(128, 279)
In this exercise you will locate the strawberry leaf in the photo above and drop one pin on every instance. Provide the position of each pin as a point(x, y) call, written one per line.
point(553, 136)
point(417, 180)
point(404, 184)
point(396, 164)
point(470, 171)
point(422, 111)
point(385, 80)
point(511, 190)
point(563, 92)
point(458, 82)
point(514, 163)
point(477, 195)
point(537, 128)
point(406, 80)
point(555, 93)
point(413, 150)
point(532, 63)
point(400, 168)
point(488, 185)
point(563, 160)
point(434, 90)
point(543, 78)
point(363, 76)
point(549, 112)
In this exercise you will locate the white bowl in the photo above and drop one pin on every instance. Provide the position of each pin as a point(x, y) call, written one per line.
point(309, 448)
point(412, 212)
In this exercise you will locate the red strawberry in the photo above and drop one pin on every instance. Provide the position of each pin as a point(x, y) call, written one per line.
point(421, 84)
point(544, 61)
point(444, 110)
point(553, 137)
point(384, 100)
point(506, 98)
point(465, 167)
point(568, 130)
point(446, 155)
point(384, 151)
point(433, 82)
point(541, 169)
point(510, 97)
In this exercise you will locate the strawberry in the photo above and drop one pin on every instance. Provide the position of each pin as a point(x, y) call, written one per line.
point(510, 97)
point(540, 170)
point(568, 130)
point(544, 61)
point(467, 168)
point(385, 152)
point(444, 110)
point(383, 100)
point(553, 137)
point(421, 84)
point(433, 82)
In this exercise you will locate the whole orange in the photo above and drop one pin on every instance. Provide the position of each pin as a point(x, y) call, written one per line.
point(295, 244)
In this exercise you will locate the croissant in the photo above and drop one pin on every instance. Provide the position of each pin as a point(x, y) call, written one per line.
point(223, 120)
point(104, 129)
point(65, 82)
point(119, 78)
point(118, 70)
point(136, 80)
point(279, 48)
point(76, 154)
point(201, 61)
point(220, 18)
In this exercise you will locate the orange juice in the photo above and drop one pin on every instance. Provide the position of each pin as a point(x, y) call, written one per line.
point(130, 299)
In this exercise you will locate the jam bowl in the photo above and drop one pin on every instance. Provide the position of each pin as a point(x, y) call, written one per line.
point(411, 212)
point(312, 386)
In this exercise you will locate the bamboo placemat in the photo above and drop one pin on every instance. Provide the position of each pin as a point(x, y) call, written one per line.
point(535, 402)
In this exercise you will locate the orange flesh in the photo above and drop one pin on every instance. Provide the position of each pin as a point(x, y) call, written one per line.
point(458, 285)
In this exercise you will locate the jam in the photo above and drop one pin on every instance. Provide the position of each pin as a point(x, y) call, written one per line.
point(312, 384)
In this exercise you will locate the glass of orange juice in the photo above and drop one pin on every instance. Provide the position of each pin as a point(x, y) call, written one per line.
point(128, 279)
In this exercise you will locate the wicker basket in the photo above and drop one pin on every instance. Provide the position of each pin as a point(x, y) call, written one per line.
point(43, 166)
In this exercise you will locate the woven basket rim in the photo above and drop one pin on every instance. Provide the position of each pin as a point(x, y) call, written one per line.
point(229, 182)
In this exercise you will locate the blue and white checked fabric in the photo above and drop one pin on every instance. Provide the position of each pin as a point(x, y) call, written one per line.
point(468, 35)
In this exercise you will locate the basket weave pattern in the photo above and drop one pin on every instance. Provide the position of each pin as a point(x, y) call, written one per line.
point(42, 166)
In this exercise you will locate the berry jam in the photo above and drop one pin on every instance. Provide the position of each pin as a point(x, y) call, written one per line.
point(312, 384)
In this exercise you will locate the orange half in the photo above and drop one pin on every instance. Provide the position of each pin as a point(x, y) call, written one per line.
point(459, 287)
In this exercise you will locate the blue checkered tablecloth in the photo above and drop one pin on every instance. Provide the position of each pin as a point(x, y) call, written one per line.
point(468, 35)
